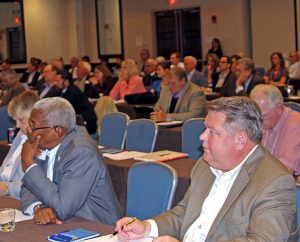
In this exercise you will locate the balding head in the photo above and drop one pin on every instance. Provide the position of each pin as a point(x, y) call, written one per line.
point(190, 63)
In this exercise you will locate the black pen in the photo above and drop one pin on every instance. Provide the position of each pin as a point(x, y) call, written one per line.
point(129, 222)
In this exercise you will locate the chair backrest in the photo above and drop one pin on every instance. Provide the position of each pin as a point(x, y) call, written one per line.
point(113, 130)
point(298, 206)
point(141, 135)
point(292, 105)
point(150, 189)
point(191, 144)
point(5, 123)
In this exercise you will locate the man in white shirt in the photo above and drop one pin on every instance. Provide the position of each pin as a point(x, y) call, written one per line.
point(294, 68)
point(175, 59)
point(238, 191)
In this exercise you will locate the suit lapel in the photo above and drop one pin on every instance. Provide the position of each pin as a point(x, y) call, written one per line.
point(238, 186)
point(181, 98)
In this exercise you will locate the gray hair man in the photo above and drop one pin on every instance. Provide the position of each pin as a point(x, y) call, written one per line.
point(83, 71)
point(238, 190)
point(294, 67)
point(69, 178)
point(280, 125)
point(197, 77)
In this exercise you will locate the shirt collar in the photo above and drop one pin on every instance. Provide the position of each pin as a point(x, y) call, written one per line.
point(229, 174)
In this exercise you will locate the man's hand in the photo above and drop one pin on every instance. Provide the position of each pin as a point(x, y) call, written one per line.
point(165, 239)
point(3, 189)
point(158, 115)
point(45, 216)
point(29, 151)
point(136, 230)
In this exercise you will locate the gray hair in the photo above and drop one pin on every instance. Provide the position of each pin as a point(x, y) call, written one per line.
point(242, 114)
point(247, 62)
point(8, 74)
point(86, 66)
point(57, 112)
point(191, 59)
point(271, 92)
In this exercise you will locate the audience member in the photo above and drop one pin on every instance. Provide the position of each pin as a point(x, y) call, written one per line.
point(149, 72)
point(294, 67)
point(280, 125)
point(238, 190)
point(175, 59)
point(48, 87)
point(117, 67)
point(277, 74)
point(216, 48)
point(31, 76)
point(144, 56)
point(180, 99)
point(129, 81)
point(11, 172)
point(234, 59)
point(73, 69)
point(161, 69)
point(160, 59)
point(5, 64)
point(100, 83)
point(226, 80)
point(79, 101)
point(75, 180)
point(86, 58)
point(211, 69)
point(247, 79)
point(11, 87)
point(192, 74)
point(83, 72)
point(42, 66)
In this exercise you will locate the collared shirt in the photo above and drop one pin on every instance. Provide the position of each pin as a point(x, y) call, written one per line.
point(283, 141)
point(212, 204)
point(222, 77)
point(294, 70)
point(46, 90)
point(30, 77)
point(190, 75)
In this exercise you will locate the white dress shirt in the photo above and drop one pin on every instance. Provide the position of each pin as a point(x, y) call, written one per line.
point(212, 204)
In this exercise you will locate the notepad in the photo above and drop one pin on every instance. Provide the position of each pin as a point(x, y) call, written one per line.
point(169, 124)
point(163, 155)
point(73, 235)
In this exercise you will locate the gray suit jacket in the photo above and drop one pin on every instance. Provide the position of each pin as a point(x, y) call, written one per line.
point(15, 182)
point(81, 184)
point(261, 205)
point(199, 79)
point(191, 104)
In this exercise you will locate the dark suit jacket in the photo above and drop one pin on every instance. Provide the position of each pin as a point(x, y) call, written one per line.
point(229, 85)
point(94, 91)
point(82, 106)
point(51, 92)
point(25, 77)
point(256, 79)
point(81, 184)
point(199, 79)
point(261, 205)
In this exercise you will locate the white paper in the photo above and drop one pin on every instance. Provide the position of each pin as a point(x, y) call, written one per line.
point(115, 239)
point(169, 123)
point(119, 101)
point(21, 217)
point(124, 155)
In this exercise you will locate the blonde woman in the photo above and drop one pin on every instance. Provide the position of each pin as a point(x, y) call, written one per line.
point(129, 81)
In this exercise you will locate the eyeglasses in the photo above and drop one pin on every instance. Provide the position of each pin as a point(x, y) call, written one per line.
point(30, 124)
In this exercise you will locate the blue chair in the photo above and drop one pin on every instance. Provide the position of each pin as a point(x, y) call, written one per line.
point(5, 123)
point(150, 189)
point(141, 135)
point(113, 130)
point(292, 105)
point(191, 144)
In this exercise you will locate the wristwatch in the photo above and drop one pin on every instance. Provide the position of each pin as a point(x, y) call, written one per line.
point(38, 206)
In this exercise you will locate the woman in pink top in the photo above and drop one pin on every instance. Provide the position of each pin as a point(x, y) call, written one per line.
point(129, 81)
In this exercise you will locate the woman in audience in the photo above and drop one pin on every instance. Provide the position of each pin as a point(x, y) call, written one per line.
point(129, 81)
point(100, 83)
point(211, 69)
point(11, 171)
point(216, 48)
point(277, 74)
point(161, 69)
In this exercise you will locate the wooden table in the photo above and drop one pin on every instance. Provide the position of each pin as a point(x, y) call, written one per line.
point(28, 231)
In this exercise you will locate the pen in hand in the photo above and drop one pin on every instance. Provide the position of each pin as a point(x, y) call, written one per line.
point(129, 222)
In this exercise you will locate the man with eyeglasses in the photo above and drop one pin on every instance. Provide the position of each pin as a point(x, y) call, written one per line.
point(281, 129)
point(180, 99)
point(64, 174)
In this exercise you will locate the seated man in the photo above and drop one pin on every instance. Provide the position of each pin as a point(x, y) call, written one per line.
point(11, 87)
point(48, 88)
point(149, 72)
point(175, 59)
point(197, 77)
point(247, 79)
point(294, 67)
point(69, 178)
point(180, 99)
point(31, 76)
point(281, 126)
point(238, 191)
point(226, 79)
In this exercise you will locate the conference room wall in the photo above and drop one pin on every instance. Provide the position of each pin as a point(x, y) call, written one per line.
point(68, 27)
